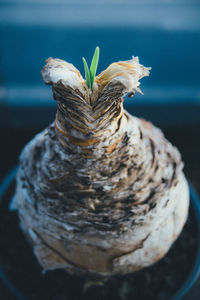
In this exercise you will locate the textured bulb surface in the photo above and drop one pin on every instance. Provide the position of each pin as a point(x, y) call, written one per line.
point(99, 191)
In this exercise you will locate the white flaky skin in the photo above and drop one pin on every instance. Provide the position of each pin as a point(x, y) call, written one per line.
point(99, 191)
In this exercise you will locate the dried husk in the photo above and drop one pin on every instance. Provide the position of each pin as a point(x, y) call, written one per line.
point(99, 191)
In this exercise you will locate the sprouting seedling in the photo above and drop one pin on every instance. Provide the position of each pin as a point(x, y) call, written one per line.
point(90, 74)
point(94, 64)
point(87, 73)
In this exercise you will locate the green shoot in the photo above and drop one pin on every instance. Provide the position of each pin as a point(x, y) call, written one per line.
point(94, 64)
point(90, 74)
point(87, 73)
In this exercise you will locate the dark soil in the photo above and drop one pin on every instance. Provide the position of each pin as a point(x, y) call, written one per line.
point(19, 264)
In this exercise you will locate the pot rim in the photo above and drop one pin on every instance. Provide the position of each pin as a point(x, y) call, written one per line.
point(195, 270)
point(183, 289)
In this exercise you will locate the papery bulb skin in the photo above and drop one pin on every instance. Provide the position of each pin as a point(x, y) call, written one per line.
point(99, 191)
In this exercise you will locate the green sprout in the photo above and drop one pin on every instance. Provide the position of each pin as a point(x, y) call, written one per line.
point(87, 73)
point(90, 74)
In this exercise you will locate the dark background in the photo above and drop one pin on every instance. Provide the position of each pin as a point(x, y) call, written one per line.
point(164, 34)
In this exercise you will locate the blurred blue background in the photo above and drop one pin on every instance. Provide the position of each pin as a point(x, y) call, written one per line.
point(164, 34)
